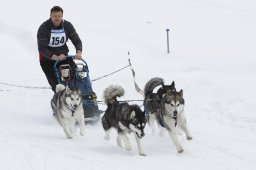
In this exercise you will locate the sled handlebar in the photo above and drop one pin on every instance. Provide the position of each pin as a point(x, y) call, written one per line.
point(73, 57)
point(69, 57)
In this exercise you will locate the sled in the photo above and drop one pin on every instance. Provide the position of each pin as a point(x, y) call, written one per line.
point(75, 73)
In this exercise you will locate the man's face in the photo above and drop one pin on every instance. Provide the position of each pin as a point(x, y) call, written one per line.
point(56, 18)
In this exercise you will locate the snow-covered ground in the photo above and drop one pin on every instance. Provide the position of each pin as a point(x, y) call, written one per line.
point(212, 58)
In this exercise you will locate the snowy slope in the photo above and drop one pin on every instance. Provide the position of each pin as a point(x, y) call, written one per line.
point(212, 59)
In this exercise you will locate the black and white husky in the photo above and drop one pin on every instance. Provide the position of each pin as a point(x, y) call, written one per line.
point(68, 109)
point(123, 117)
point(167, 107)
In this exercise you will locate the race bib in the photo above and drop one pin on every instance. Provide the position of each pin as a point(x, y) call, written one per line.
point(58, 38)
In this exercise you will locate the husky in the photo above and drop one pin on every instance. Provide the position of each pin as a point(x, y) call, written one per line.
point(68, 109)
point(167, 108)
point(123, 117)
point(153, 101)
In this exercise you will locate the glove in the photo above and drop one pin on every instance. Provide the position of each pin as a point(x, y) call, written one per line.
point(78, 55)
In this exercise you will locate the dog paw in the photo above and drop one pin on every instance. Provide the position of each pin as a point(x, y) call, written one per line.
point(143, 154)
point(189, 138)
point(106, 137)
point(161, 134)
point(82, 133)
point(128, 147)
point(70, 137)
point(120, 146)
point(180, 150)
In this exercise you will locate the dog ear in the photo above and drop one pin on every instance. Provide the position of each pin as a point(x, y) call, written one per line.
point(173, 84)
point(132, 116)
point(181, 93)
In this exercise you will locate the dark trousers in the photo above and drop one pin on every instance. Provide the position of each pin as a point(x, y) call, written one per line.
point(48, 68)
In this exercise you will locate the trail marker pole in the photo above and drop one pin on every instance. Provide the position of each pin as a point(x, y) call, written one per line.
point(168, 48)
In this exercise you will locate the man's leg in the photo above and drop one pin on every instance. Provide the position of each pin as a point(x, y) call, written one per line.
point(48, 68)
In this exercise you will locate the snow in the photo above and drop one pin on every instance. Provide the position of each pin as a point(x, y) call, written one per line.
point(212, 58)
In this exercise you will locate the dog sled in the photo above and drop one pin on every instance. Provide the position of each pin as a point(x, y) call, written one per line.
point(75, 73)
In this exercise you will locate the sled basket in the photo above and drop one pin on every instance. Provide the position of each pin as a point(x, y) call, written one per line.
point(76, 74)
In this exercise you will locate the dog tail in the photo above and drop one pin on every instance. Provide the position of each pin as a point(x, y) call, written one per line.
point(60, 87)
point(151, 84)
point(111, 92)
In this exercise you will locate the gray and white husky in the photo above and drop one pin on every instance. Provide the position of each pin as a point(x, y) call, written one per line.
point(167, 108)
point(153, 101)
point(123, 117)
point(68, 109)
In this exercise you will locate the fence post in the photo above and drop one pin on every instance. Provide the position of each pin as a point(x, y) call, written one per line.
point(168, 48)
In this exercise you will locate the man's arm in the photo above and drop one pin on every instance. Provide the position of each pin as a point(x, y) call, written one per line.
point(75, 39)
point(42, 42)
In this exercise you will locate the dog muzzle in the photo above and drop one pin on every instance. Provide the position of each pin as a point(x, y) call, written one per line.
point(141, 135)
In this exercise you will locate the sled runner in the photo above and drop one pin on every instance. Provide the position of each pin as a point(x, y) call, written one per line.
point(75, 73)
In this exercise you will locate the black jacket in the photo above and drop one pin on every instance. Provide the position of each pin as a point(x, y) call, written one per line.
point(44, 35)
